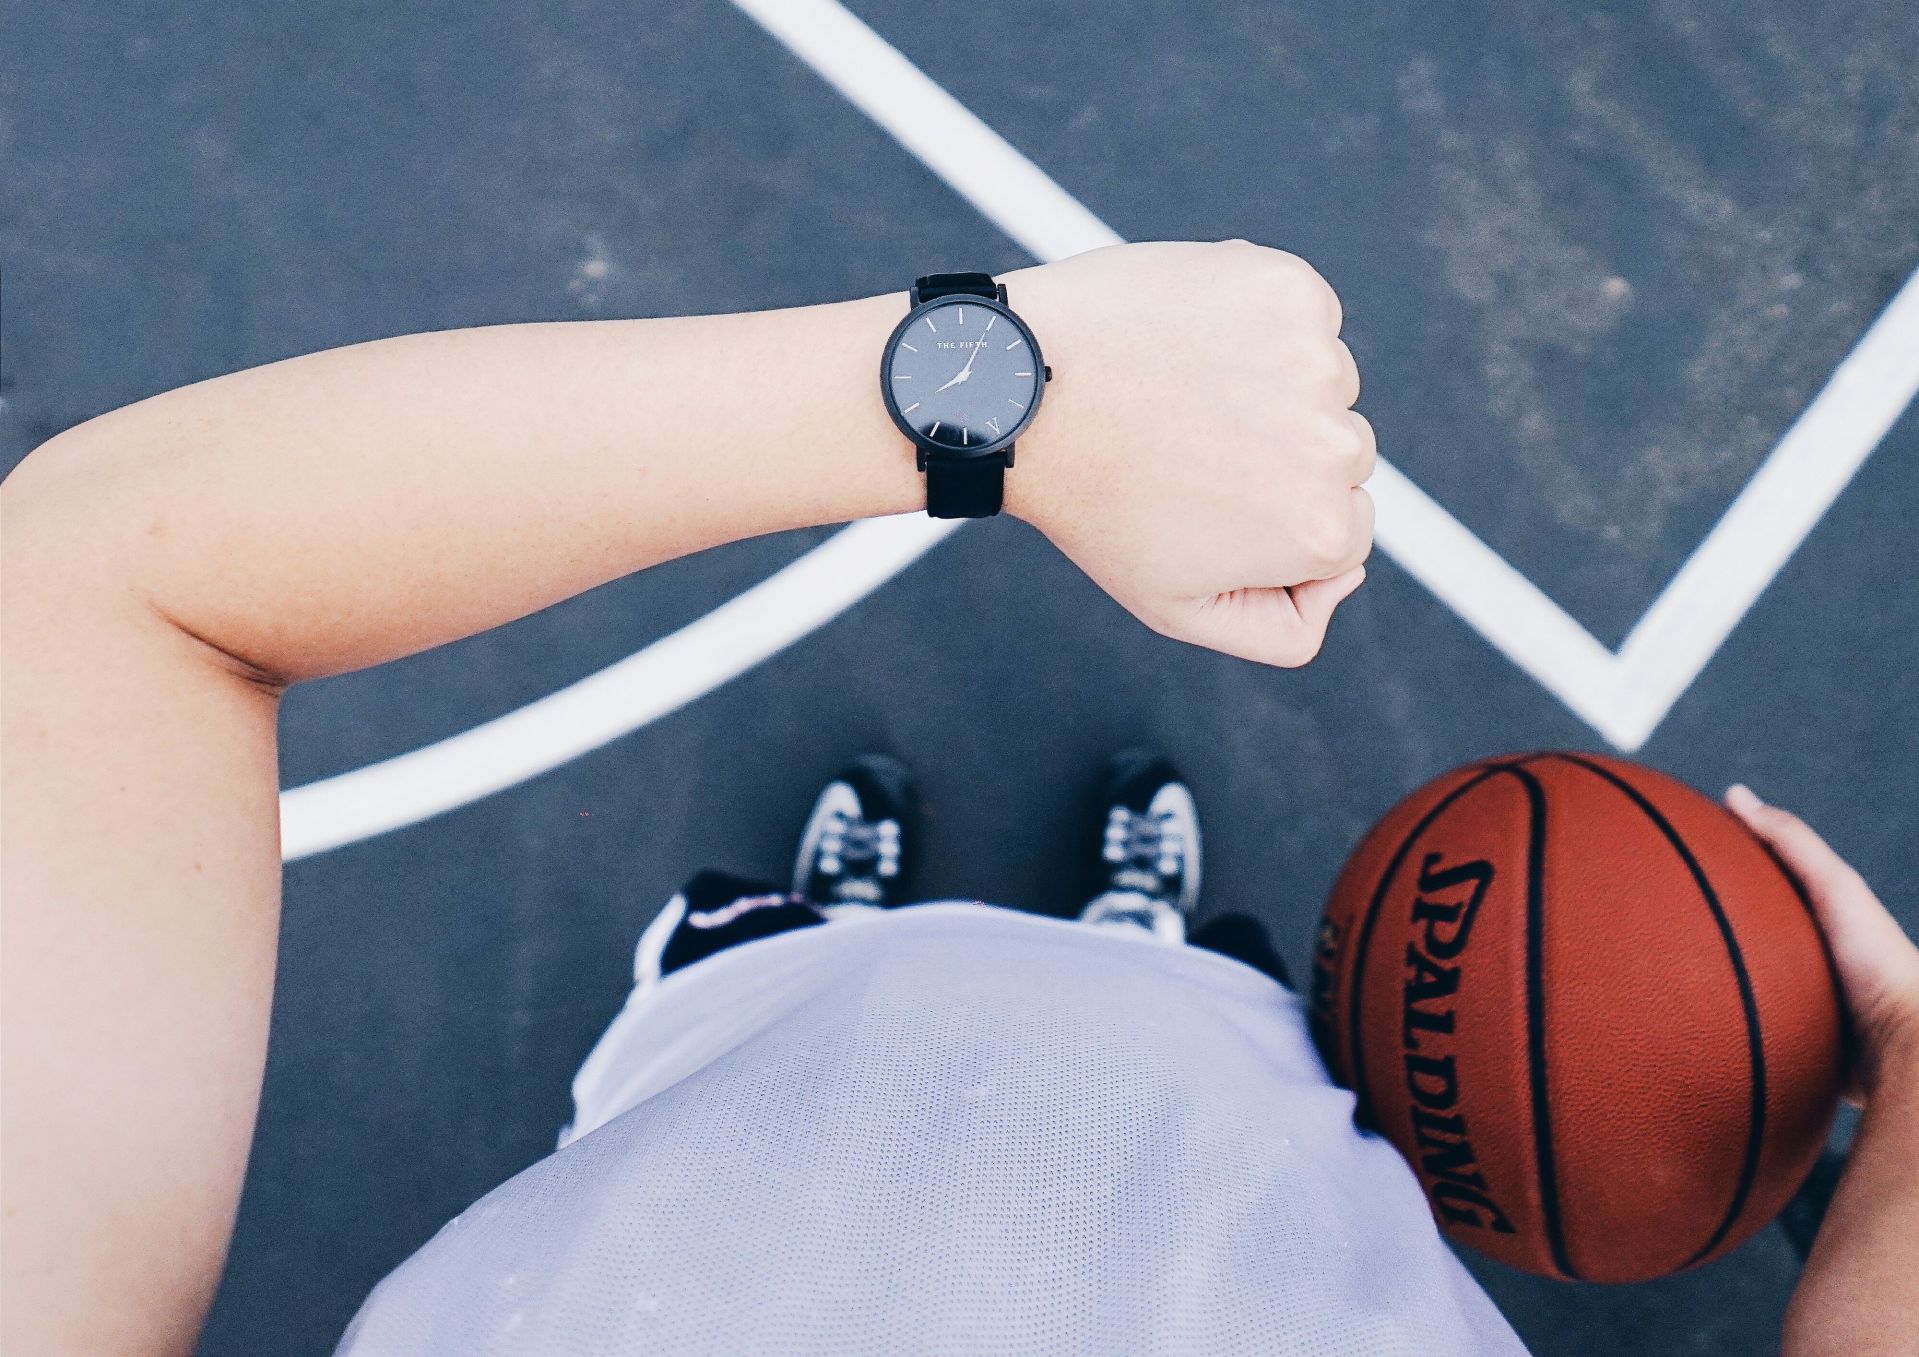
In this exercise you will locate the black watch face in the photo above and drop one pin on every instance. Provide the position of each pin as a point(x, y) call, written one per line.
point(963, 375)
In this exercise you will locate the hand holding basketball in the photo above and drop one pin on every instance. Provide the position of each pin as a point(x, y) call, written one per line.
point(1878, 964)
point(1198, 456)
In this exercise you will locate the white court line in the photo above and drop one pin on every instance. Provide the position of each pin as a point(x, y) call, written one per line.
point(975, 161)
point(1491, 595)
point(1785, 499)
point(661, 678)
point(1624, 697)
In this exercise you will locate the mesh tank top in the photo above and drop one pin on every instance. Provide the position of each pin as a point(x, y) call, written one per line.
point(948, 1129)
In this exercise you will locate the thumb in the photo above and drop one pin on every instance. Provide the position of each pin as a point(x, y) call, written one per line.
point(1283, 627)
point(1853, 918)
point(1878, 964)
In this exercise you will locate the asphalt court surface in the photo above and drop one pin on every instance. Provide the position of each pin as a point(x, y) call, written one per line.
point(1595, 261)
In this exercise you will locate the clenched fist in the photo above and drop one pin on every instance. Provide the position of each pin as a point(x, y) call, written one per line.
point(1197, 454)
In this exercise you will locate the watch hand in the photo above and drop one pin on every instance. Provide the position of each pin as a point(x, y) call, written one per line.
point(964, 372)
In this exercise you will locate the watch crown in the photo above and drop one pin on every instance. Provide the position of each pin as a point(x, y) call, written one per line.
point(1048, 370)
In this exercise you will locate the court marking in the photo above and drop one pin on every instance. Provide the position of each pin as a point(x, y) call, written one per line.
point(793, 602)
point(1623, 696)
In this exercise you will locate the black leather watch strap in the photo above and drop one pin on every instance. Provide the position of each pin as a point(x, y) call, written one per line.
point(956, 285)
point(971, 488)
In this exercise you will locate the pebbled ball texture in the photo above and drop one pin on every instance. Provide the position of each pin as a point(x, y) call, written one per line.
point(1589, 1007)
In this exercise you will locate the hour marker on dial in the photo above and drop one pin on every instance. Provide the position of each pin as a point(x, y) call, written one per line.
point(929, 325)
point(934, 432)
point(960, 311)
point(1022, 374)
point(908, 347)
point(989, 323)
point(965, 437)
point(911, 408)
point(1011, 401)
point(1016, 343)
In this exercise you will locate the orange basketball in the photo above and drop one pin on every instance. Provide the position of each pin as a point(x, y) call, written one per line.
point(1591, 1010)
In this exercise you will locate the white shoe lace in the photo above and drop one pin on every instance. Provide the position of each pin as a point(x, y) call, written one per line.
point(849, 844)
point(1146, 852)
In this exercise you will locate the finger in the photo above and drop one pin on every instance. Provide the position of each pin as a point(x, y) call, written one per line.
point(1310, 281)
point(1367, 456)
point(1330, 547)
point(1870, 949)
point(1282, 627)
point(1315, 600)
point(1363, 511)
point(1812, 860)
point(1346, 382)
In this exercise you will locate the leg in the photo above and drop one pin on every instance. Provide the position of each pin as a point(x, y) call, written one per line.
point(852, 857)
point(1243, 938)
point(712, 911)
point(716, 910)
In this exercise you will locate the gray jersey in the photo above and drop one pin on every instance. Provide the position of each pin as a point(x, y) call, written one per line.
point(948, 1129)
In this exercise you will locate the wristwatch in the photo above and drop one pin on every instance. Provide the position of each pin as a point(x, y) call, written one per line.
point(962, 377)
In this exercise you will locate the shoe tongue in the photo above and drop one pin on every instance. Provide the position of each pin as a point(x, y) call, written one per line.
point(860, 839)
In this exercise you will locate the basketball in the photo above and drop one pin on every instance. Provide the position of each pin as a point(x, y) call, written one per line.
point(1589, 1008)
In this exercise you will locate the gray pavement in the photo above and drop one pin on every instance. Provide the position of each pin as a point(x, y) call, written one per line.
point(1595, 261)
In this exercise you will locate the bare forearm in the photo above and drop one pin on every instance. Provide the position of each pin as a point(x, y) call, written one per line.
point(1859, 1295)
point(346, 508)
point(311, 517)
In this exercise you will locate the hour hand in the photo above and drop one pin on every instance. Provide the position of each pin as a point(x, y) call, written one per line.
point(966, 371)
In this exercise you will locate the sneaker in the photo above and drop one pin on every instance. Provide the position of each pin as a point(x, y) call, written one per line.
point(853, 850)
point(1147, 872)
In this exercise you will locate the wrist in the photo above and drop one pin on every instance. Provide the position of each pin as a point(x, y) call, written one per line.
point(1039, 482)
point(843, 459)
point(890, 482)
point(1891, 1059)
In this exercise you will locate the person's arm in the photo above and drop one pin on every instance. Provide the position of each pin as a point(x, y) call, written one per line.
point(168, 569)
point(1859, 1293)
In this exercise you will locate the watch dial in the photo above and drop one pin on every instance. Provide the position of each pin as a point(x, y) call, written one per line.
point(963, 375)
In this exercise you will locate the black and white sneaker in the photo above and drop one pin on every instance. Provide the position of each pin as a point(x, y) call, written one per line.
point(853, 850)
point(1147, 873)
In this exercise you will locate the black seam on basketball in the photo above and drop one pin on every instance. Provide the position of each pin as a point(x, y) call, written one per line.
point(1749, 1169)
point(1363, 1111)
point(1545, 1165)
